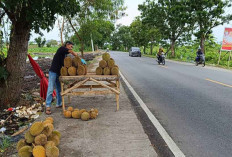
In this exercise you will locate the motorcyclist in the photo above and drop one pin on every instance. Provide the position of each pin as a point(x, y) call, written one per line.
point(160, 53)
point(199, 54)
point(107, 50)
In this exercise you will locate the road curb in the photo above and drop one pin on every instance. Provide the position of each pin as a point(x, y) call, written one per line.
point(163, 143)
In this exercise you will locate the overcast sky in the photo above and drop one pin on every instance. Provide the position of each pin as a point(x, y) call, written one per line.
point(132, 12)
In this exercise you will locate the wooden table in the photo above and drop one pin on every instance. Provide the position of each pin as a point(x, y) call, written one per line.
point(102, 85)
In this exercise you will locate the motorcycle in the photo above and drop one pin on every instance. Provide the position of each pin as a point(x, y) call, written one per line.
point(200, 59)
point(161, 59)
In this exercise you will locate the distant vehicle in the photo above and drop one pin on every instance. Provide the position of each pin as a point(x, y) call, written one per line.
point(200, 59)
point(161, 59)
point(135, 51)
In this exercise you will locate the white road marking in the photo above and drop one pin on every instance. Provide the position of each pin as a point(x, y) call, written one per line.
point(171, 144)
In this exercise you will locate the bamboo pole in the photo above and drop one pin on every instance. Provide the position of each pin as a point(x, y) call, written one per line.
point(117, 96)
point(112, 89)
point(228, 64)
point(95, 92)
point(75, 86)
point(83, 77)
point(62, 90)
point(219, 56)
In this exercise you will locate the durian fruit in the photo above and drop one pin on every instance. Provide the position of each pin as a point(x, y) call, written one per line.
point(67, 114)
point(116, 66)
point(76, 114)
point(85, 66)
point(29, 138)
point(70, 108)
point(106, 56)
point(111, 59)
point(106, 71)
point(55, 138)
point(68, 62)
point(85, 116)
point(39, 151)
point(81, 70)
point(110, 63)
point(114, 71)
point(47, 122)
point(93, 115)
point(36, 128)
point(21, 143)
point(76, 61)
point(56, 133)
point(49, 144)
point(96, 111)
point(48, 128)
point(72, 71)
point(50, 118)
point(64, 71)
point(52, 151)
point(102, 64)
point(83, 110)
point(25, 151)
point(41, 139)
point(99, 71)
point(76, 109)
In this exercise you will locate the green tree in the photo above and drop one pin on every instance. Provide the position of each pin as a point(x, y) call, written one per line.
point(25, 16)
point(171, 17)
point(92, 11)
point(143, 34)
point(40, 42)
point(53, 43)
point(99, 29)
point(207, 15)
point(122, 36)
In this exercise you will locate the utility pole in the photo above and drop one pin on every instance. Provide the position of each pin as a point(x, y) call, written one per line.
point(92, 43)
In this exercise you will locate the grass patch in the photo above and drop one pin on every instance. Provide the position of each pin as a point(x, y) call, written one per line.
point(5, 142)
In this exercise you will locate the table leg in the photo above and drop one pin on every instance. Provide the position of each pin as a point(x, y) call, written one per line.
point(62, 90)
point(117, 95)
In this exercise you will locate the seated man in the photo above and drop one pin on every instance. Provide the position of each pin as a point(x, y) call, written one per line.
point(199, 54)
point(160, 53)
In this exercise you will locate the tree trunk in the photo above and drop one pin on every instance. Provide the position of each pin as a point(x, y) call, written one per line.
point(202, 44)
point(15, 63)
point(173, 48)
point(144, 49)
point(78, 36)
point(61, 28)
point(151, 48)
point(82, 45)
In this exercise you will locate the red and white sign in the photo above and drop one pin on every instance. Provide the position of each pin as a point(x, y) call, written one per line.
point(227, 40)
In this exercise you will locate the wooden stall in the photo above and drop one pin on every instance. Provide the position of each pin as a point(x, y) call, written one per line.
point(95, 85)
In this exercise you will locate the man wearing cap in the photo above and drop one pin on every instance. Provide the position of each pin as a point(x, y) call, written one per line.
point(54, 73)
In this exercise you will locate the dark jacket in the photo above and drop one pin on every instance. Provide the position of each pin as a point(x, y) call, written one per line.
point(58, 60)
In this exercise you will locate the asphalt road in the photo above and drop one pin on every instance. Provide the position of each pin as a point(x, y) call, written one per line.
point(195, 110)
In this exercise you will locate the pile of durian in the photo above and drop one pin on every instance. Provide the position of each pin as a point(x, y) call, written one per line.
point(73, 67)
point(40, 141)
point(107, 66)
point(82, 114)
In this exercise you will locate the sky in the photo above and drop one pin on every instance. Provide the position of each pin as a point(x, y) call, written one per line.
point(132, 12)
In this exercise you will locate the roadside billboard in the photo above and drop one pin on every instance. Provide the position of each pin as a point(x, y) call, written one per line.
point(227, 40)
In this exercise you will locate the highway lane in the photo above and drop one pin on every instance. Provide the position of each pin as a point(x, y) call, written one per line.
point(195, 110)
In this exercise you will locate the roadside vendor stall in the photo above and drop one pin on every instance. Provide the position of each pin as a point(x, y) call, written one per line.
point(89, 84)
